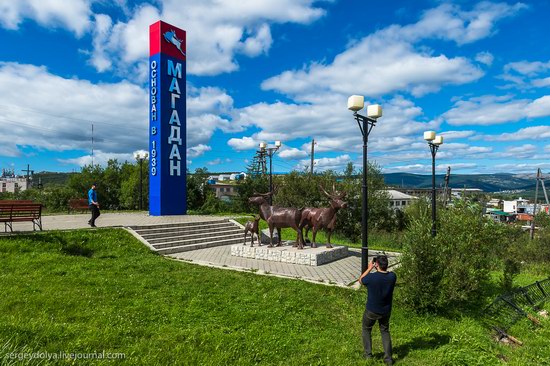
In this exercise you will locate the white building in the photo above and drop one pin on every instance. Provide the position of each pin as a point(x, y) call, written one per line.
point(520, 205)
point(495, 203)
point(226, 177)
point(224, 191)
point(399, 200)
point(13, 184)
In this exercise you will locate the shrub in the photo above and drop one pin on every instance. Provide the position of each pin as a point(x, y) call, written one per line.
point(213, 205)
point(452, 268)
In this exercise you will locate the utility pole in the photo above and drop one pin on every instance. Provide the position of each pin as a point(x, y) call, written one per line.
point(535, 206)
point(447, 192)
point(540, 179)
point(28, 175)
point(312, 154)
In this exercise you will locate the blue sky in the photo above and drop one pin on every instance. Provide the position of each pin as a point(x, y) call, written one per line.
point(266, 70)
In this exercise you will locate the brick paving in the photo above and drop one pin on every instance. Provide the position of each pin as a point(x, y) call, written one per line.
point(80, 221)
point(343, 272)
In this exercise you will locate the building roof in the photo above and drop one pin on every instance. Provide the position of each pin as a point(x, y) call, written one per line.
point(396, 195)
point(500, 213)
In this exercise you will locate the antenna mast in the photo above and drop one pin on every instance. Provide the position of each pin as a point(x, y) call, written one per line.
point(92, 145)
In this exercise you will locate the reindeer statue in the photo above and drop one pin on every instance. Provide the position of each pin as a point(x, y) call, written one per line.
point(278, 218)
point(323, 218)
point(253, 228)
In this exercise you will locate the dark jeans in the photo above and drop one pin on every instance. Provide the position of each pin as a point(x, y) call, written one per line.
point(95, 214)
point(369, 318)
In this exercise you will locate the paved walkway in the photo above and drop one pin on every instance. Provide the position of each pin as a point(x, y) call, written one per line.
point(343, 272)
point(70, 222)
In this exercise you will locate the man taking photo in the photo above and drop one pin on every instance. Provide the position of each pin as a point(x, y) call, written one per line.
point(380, 286)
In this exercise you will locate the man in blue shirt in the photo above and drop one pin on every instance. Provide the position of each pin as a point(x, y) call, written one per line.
point(94, 205)
point(380, 286)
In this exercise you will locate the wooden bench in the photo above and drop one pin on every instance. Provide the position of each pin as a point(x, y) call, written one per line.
point(78, 204)
point(20, 211)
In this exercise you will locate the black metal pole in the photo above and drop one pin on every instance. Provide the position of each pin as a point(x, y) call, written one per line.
point(365, 208)
point(433, 149)
point(140, 184)
point(270, 153)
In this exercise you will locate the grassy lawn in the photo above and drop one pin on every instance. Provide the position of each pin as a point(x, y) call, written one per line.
point(89, 291)
point(378, 240)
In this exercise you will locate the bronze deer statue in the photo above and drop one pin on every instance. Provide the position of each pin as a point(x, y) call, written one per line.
point(252, 227)
point(278, 218)
point(323, 218)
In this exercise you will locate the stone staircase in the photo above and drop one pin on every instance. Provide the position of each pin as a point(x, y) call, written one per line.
point(183, 237)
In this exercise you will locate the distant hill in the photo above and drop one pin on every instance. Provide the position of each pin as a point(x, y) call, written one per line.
point(486, 182)
point(51, 178)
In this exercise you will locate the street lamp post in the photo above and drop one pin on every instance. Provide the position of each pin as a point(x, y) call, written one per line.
point(140, 158)
point(270, 151)
point(366, 123)
point(434, 142)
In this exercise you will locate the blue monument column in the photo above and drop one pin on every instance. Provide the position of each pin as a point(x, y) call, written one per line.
point(167, 120)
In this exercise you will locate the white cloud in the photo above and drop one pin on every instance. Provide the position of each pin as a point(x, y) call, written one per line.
point(485, 58)
point(526, 74)
point(539, 107)
point(387, 60)
point(116, 109)
point(337, 163)
point(243, 143)
point(101, 33)
point(198, 150)
point(216, 161)
point(334, 128)
point(521, 167)
point(217, 30)
point(541, 83)
point(427, 168)
point(292, 153)
point(491, 110)
point(411, 168)
point(527, 68)
point(521, 152)
point(207, 111)
point(62, 111)
point(450, 22)
point(456, 135)
point(455, 166)
point(528, 133)
point(73, 15)
point(100, 158)
point(374, 67)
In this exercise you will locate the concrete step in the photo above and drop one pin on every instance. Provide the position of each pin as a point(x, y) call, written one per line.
point(209, 244)
point(185, 231)
point(163, 237)
point(182, 242)
point(179, 224)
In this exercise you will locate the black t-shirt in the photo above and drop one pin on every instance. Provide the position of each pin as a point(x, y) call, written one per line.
point(380, 287)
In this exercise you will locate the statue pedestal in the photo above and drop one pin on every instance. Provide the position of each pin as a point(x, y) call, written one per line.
point(288, 254)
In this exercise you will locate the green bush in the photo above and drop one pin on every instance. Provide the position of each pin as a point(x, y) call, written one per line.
point(213, 205)
point(451, 269)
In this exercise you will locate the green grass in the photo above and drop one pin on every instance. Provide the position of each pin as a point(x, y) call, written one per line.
point(378, 240)
point(89, 291)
